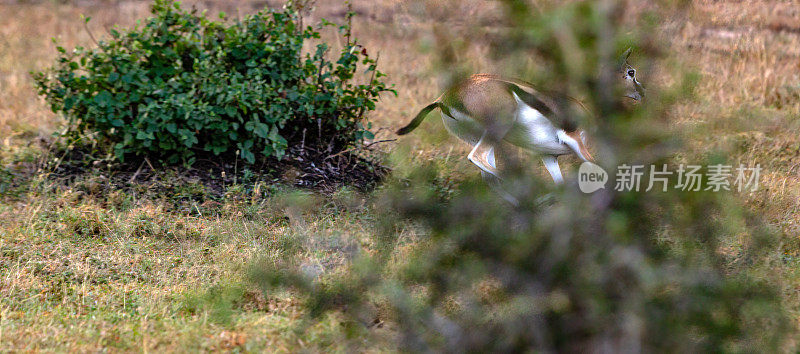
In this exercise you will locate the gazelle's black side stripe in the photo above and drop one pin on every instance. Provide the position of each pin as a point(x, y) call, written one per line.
point(558, 119)
point(530, 99)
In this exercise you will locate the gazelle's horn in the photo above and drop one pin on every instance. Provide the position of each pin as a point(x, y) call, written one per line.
point(624, 58)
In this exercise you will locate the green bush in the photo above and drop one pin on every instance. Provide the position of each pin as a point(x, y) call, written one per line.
point(182, 85)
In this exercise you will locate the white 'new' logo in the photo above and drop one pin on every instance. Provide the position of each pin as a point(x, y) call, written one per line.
point(591, 177)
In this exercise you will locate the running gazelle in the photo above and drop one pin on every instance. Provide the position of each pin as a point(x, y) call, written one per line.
point(484, 110)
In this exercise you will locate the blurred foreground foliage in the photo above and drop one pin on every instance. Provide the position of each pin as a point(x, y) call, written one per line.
point(673, 271)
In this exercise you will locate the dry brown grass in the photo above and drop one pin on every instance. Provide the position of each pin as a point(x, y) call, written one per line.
point(748, 105)
point(71, 269)
point(80, 276)
point(749, 58)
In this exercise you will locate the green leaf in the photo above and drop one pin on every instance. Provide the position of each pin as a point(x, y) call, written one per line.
point(275, 136)
point(231, 111)
point(279, 153)
point(248, 156)
point(262, 130)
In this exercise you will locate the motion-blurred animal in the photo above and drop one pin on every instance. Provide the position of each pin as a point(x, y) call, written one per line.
point(484, 110)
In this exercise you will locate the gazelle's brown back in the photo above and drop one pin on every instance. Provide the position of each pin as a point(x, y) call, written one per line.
point(484, 98)
point(489, 100)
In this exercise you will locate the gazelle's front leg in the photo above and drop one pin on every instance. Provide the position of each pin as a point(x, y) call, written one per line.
point(551, 163)
point(481, 154)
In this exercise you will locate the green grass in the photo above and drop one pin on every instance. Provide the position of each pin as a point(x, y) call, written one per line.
point(143, 277)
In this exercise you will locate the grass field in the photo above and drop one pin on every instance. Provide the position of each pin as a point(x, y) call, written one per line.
point(83, 271)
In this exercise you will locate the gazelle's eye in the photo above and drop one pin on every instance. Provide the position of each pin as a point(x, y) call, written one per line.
point(631, 73)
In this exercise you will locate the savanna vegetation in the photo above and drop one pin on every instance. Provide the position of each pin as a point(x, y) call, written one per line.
point(161, 239)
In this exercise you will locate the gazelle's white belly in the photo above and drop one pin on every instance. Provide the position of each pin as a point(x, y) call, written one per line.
point(533, 131)
point(463, 126)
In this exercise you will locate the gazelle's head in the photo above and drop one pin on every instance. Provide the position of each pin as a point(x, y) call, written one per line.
point(633, 88)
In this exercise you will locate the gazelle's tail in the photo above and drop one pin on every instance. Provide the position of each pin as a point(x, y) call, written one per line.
point(418, 119)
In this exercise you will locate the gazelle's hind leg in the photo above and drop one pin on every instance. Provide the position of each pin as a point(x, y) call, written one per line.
point(494, 182)
point(481, 154)
point(551, 163)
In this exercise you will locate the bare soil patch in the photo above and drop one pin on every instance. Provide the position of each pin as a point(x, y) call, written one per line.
point(211, 178)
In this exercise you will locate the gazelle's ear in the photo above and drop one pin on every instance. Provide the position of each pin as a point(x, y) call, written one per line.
point(624, 58)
